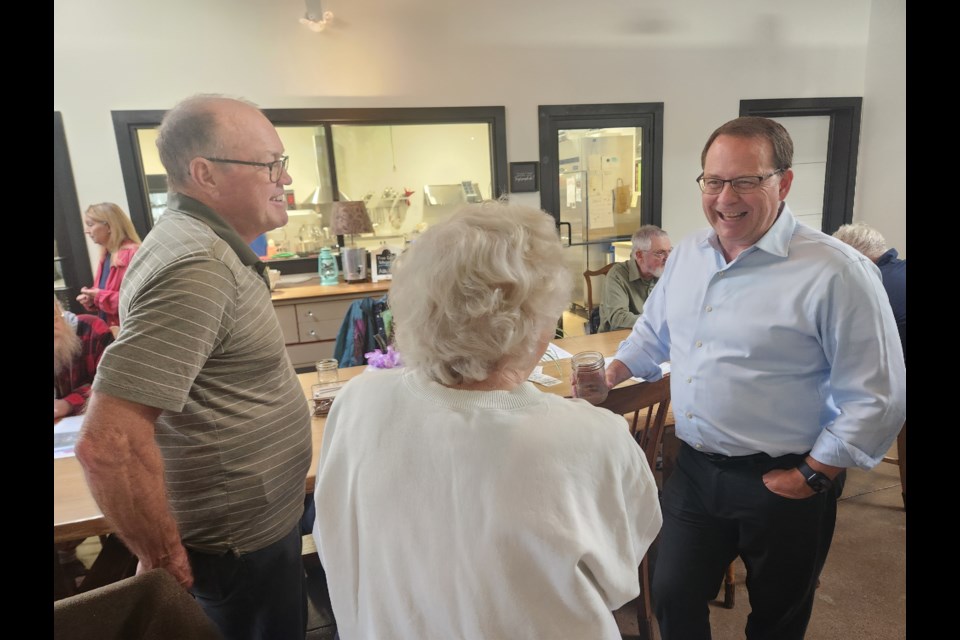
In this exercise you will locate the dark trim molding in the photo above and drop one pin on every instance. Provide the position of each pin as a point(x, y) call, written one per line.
point(67, 222)
point(648, 115)
point(125, 126)
point(843, 144)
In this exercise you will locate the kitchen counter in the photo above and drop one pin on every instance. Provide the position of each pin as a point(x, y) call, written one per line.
point(311, 314)
point(312, 288)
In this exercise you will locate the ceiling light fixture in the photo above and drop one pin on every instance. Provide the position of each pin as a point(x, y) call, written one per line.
point(316, 19)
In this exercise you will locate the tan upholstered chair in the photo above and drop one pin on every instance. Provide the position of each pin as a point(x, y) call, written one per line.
point(150, 606)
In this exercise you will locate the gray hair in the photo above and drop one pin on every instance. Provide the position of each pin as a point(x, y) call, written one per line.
point(474, 293)
point(863, 238)
point(189, 130)
point(643, 237)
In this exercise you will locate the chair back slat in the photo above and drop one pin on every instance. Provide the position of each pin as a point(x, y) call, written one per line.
point(650, 397)
point(588, 276)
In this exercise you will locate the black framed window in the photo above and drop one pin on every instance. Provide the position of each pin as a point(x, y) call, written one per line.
point(404, 163)
point(842, 133)
point(601, 177)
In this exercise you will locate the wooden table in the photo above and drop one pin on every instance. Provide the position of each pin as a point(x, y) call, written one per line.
point(76, 516)
point(605, 343)
point(75, 513)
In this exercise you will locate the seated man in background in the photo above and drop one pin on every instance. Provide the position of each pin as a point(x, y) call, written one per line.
point(78, 343)
point(628, 283)
point(893, 270)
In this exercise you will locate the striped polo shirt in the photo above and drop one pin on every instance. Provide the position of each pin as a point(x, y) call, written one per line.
point(201, 341)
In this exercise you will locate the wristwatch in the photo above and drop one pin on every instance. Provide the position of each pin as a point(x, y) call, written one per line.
point(817, 481)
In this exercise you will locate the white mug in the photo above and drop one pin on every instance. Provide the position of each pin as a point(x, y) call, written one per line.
point(274, 276)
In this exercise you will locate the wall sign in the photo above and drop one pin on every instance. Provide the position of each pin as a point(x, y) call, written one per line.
point(524, 177)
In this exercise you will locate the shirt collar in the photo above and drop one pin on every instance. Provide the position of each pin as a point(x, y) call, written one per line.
point(889, 256)
point(633, 272)
point(196, 209)
point(776, 241)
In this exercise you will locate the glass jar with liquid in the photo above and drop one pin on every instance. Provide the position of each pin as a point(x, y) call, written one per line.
point(589, 375)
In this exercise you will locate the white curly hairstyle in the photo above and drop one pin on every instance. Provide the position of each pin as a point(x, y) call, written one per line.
point(863, 238)
point(475, 293)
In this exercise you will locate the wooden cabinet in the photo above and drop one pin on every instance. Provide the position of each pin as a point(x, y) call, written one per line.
point(310, 317)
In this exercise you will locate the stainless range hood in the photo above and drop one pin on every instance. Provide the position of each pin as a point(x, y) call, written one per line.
point(438, 195)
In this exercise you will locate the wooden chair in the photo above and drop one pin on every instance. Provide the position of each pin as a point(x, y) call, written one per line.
point(587, 276)
point(652, 401)
point(901, 460)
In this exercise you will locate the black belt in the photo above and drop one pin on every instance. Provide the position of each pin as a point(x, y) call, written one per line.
point(719, 458)
point(753, 458)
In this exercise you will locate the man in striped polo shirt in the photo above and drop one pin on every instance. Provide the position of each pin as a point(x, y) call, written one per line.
point(197, 439)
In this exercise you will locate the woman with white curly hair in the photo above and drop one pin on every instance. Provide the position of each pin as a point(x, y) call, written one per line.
point(453, 498)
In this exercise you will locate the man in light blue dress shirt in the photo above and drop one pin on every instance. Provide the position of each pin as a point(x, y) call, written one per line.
point(786, 369)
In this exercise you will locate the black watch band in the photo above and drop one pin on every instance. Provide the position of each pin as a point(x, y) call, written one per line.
point(816, 480)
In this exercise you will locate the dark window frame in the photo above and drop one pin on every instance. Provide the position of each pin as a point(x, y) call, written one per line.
point(843, 143)
point(648, 115)
point(127, 123)
point(67, 222)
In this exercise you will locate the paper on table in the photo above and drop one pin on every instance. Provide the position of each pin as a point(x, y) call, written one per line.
point(664, 367)
point(555, 353)
point(65, 434)
point(538, 376)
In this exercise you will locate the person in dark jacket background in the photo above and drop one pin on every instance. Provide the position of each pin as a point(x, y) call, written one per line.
point(893, 270)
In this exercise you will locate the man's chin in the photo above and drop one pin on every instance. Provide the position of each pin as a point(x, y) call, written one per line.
point(279, 220)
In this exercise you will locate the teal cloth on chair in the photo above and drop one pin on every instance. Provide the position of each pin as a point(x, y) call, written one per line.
point(358, 332)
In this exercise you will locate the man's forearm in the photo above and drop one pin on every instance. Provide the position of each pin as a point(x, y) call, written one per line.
point(124, 470)
point(622, 319)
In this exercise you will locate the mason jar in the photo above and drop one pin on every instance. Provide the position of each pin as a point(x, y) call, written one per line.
point(590, 377)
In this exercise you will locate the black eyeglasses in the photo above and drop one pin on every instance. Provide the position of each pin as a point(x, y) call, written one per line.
point(743, 184)
point(277, 167)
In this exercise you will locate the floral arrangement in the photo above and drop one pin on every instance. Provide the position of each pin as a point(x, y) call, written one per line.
point(386, 359)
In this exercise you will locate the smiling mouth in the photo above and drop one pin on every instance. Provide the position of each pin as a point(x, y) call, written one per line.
point(278, 199)
point(731, 216)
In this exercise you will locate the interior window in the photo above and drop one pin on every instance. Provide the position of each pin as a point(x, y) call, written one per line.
point(411, 167)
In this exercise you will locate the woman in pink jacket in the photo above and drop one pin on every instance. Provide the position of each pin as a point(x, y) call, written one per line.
point(108, 226)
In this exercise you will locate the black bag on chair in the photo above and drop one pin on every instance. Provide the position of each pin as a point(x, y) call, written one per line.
point(595, 321)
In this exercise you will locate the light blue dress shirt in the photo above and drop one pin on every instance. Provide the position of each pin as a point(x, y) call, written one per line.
point(791, 347)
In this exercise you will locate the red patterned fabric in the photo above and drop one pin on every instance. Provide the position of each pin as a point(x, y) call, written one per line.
point(73, 382)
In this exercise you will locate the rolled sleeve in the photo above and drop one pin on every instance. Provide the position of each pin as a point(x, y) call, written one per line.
point(867, 373)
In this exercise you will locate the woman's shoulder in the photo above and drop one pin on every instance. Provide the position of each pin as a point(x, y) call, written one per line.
point(574, 411)
point(125, 253)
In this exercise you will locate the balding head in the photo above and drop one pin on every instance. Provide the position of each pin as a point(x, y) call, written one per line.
point(196, 127)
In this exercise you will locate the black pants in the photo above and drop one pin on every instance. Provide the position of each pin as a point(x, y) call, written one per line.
point(260, 595)
point(715, 510)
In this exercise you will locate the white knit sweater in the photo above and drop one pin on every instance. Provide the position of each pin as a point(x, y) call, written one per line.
point(478, 514)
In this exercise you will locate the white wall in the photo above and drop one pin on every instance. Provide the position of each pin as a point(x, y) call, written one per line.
point(698, 57)
point(882, 170)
